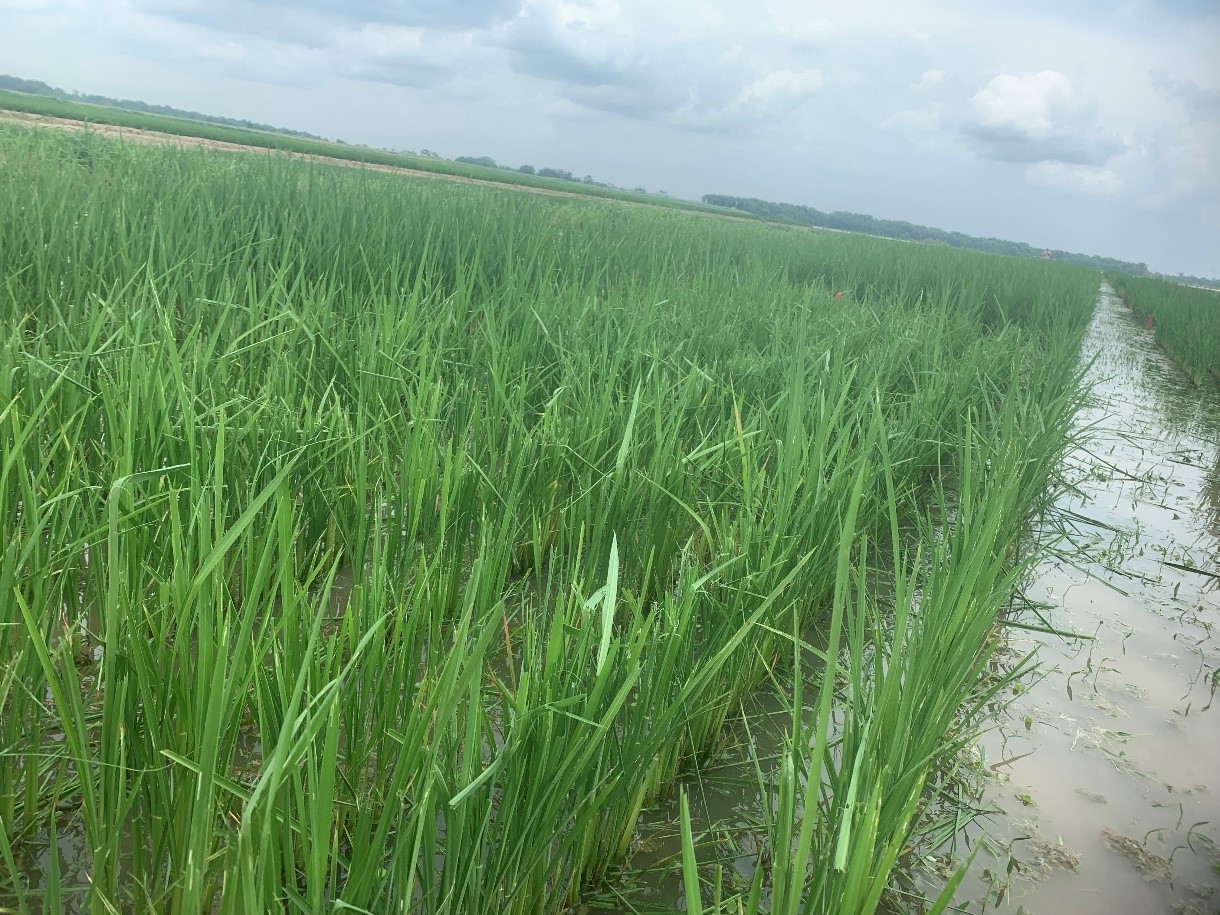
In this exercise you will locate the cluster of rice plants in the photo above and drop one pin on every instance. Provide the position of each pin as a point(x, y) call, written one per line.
point(386, 546)
point(1186, 320)
point(908, 683)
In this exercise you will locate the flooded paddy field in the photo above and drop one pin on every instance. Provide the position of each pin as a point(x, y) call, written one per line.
point(1097, 785)
point(1107, 766)
point(378, 546)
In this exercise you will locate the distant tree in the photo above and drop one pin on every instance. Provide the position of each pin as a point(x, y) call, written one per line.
point(560, 173)
point(28, 86)
point(37, 87)
point(484, 161)
point(526, 169)
point(890, 228)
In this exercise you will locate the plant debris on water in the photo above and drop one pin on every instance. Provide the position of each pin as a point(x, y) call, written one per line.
point(1152, 866)
point(1112, 747)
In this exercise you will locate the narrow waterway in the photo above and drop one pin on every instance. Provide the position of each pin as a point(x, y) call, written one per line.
point(1104, 772)
point(1107, 766)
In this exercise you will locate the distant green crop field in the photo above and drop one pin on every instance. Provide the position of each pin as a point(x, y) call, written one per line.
point(119, 117)
point(373, 544)
point(1186, 320)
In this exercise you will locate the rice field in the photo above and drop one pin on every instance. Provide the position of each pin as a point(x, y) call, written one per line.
point(162, 128)
point(1186, 320)
point(388, 546)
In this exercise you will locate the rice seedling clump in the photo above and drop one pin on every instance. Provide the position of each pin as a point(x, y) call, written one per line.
point(383, 545)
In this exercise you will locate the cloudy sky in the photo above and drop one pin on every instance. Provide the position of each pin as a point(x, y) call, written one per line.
point(1085, 125)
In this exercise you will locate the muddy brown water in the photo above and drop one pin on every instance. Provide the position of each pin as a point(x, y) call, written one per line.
point(1111, 802)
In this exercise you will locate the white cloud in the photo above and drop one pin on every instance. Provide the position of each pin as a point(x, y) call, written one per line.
point(794, 21)
point(928, 119)
point(782, 84)
point(1039, 117)
point(1028, 104)
point(931, 79)
point(923, 128)
point(226, 52)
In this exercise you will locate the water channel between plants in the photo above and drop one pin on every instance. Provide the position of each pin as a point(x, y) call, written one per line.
point(1103, 767)
point(1101, 774)
point(1107, 765)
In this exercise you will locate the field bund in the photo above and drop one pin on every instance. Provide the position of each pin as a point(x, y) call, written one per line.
point(385, 545)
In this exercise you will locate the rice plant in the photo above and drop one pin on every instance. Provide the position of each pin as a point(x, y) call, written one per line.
point(383, 545)
point(1186, 320)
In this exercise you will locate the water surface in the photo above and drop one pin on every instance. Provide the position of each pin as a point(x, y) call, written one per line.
point(1108, 767)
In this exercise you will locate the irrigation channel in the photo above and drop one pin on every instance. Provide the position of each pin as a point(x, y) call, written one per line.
point(1098, 778)
point(1112, 800)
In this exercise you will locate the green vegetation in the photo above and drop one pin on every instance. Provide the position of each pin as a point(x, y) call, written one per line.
point(36, 97)
point(375, 544)
point(38, 87)
point(1186, 320)
point(546, 179)
point(891, 228)
point(564, 174)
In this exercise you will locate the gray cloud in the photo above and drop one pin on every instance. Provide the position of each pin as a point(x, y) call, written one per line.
point(1199, 103)
point(396, 70)
point(684, 84)
point(1075, 147)
point(714, 95)
point(283, 17)
point(643, 101)
point(242, 18)
point(431, 14)
point(539, 53)
point(1184, 149)
point(419, 45)
point(1038, 117)
point(1189, 9)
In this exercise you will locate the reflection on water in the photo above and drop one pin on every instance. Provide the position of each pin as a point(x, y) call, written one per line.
point(1107, 767)
point(1210, 501)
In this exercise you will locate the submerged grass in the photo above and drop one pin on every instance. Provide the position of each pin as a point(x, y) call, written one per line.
point(375, 545)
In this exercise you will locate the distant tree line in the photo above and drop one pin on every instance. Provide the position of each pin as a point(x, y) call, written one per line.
point(37, 87)
point(1191, 280)
point(891, 228)
point(783, 212)
point(561, 174)
point(483, 161)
